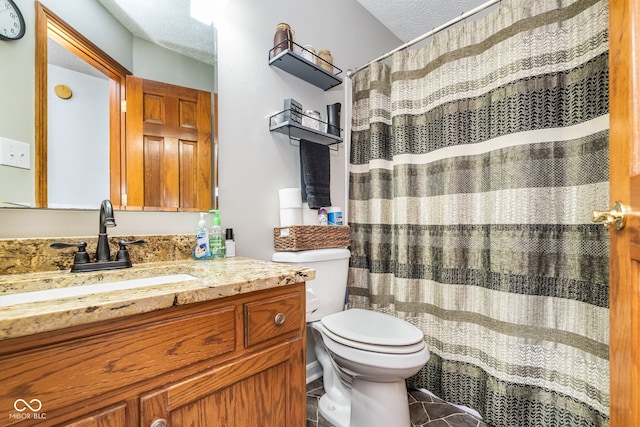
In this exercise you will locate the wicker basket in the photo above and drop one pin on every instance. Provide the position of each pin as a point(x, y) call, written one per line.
point(307, 237)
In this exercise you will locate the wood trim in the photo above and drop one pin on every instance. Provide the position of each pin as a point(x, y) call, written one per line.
point(134, 146)
point(214, 150)
point(624, 137)
point(204, 155)
point(41, 144)
point(67, 36)
point(48, 25)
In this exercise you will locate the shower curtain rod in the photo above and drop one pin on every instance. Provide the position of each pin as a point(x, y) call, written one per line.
point(428, 34)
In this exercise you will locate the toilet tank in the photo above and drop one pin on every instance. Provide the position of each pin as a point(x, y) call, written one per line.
point(330, 284)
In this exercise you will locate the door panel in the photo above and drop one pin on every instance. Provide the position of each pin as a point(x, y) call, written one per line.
point(188, 174)
point(187, 117)
point(168, 152)
point(153, 171)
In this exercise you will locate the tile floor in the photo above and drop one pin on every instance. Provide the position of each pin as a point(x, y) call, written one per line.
point(425, 410)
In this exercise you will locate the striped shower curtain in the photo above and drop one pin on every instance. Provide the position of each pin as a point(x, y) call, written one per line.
point(475, 162)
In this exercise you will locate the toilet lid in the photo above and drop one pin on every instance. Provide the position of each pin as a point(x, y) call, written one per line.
point(386, 349)
point(372, 328)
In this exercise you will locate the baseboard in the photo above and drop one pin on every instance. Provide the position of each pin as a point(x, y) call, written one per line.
point(314, 371)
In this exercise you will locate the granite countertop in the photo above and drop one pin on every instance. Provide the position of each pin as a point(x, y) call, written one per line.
point(215, 279)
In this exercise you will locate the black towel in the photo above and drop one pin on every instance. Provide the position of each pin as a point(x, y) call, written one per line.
point(315, 174)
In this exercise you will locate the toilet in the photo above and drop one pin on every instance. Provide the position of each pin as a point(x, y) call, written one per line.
point(365, 355)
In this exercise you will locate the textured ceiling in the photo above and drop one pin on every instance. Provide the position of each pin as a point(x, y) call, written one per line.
point(409, 19)
point(168, 22)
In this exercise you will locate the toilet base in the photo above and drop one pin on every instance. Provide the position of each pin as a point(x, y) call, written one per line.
point(336, 414)
point(376, 404)
point(373, 404)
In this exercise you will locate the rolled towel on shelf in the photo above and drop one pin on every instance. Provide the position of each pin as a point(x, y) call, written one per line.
point(315, 174)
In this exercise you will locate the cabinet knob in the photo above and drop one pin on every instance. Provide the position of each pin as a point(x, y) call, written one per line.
point(159, 422)
point(280, 318)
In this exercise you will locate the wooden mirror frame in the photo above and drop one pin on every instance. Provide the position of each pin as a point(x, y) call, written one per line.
point(50, 25)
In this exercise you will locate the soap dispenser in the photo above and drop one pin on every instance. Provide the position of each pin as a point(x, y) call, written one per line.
point(202, 250)
point(216, 237)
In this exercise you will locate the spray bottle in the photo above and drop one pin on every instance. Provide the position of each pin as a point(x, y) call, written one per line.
point(216, 236)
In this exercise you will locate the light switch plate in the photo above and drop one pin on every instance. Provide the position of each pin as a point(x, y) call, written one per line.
point(15, 153)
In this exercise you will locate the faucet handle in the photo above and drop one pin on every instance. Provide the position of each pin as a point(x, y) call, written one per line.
point(81, 257)
point(123, 253)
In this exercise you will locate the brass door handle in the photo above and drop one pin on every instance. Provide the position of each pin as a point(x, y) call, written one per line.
point(615, 216)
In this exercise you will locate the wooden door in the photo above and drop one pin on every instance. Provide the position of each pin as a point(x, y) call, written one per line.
point(168, 147)
point(624, 350)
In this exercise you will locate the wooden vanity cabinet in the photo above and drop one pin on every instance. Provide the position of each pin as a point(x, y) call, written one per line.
point(115, 416)
point(236, 361)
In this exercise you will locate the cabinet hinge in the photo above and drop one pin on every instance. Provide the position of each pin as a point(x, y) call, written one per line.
point(124, 199)
point(124, 106)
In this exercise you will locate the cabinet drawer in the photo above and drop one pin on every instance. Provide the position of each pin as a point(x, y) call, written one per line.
point(272, 317)
point(65, 374)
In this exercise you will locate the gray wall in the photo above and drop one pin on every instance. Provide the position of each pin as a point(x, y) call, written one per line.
point(17, 108)
point(254, 162)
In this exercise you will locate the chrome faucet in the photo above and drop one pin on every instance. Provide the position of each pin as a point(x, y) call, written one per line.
point(103, 253)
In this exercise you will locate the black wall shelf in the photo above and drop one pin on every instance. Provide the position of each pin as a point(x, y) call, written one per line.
point(304, 69)
point(297, 131)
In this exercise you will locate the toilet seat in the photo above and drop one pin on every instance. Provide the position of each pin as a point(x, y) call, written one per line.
point(373, 331)
point(359, 362)
point(387, 349)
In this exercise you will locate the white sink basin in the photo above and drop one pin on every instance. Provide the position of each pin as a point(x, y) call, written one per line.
point(77, 291)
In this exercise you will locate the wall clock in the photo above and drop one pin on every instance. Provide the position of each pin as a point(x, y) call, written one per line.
point(11, 21)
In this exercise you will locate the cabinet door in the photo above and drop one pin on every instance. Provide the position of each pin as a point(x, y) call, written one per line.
point(115, 416)
point(255, 390)
point(90, 368)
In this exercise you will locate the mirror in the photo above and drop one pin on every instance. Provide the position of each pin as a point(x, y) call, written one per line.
point(80, 127)
point(56, 40)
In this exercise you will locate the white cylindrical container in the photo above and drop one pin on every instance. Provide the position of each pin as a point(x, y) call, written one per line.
point(290, 216)
point(290, 198)
point(334, 215)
